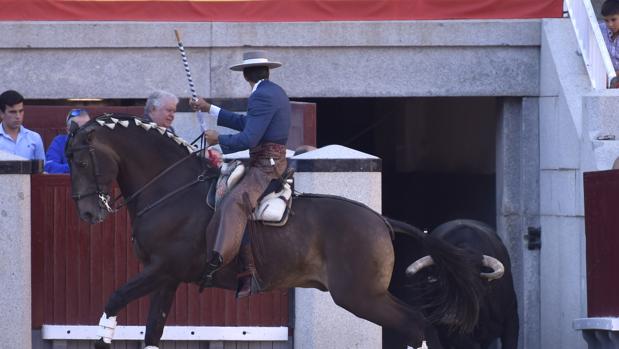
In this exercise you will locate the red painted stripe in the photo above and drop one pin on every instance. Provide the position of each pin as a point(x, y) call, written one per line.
point(84, 297)
point(48, 274)
point(278, 10)
point(121, 239)
point(73, 263)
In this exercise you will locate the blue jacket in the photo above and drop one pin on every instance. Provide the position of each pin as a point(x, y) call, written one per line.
point(55, 160)
point(267, 120)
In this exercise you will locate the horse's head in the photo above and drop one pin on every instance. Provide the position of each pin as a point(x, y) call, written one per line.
point(93, 170)
point(120, 147)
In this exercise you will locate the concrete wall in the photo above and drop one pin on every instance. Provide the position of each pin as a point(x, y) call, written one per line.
point(15, 241)
point(319, 322)
point(49, 60)
point(571, 116)
point(517, 163)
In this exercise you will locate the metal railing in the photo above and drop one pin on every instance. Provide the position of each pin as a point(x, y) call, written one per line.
point(591, 43)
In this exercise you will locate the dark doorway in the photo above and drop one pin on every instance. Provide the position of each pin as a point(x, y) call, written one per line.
point(438, 153)
point(438, 156)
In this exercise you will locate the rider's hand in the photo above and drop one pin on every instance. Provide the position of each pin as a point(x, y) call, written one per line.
point(212, 137)
point(200, 105)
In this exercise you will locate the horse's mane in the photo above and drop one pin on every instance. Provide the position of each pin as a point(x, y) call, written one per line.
point(113, 120)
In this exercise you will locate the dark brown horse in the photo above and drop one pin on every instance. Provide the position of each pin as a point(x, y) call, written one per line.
point(330, 243)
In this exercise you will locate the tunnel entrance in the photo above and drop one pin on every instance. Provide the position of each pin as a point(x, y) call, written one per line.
point(438, 156)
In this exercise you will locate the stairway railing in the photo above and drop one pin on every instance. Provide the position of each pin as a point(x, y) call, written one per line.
point(591, 43)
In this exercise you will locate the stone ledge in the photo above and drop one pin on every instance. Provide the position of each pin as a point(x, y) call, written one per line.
point(21, 167)
point(336, 165)
point(92, 34)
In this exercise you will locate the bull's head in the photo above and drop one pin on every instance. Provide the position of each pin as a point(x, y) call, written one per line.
point(489, 262)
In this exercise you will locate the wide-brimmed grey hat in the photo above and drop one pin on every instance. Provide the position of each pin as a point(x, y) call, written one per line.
point(255, 59)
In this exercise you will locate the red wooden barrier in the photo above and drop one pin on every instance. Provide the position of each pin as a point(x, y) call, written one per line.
point(601, 224)
point(49, 121)
point(76, 266)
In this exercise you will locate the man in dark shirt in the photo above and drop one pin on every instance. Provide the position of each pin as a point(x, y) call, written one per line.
point(264, 131)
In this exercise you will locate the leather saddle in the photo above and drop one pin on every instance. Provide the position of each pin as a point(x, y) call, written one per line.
point(274, 205)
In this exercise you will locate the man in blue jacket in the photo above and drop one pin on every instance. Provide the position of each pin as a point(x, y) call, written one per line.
point(55, 160)
point(264, 131)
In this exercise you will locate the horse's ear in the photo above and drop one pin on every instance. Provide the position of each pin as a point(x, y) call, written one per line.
point(73, 127)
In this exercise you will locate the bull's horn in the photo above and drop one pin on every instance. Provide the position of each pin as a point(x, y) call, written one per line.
point(497, 268)
point(419, 264)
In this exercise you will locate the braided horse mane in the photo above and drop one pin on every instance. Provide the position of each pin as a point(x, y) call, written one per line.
point(113, 120)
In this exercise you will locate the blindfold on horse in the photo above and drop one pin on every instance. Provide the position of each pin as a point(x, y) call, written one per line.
point(329, 243)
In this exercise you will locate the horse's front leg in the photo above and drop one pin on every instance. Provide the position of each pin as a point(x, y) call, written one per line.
point(160, 304)
point(149, 280)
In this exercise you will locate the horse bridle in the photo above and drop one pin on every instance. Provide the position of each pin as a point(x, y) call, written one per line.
point(104, 197)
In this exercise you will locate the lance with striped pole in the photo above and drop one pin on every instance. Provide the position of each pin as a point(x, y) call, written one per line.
point(192, 86)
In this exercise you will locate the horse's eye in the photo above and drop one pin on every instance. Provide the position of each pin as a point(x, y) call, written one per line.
point(82, 164)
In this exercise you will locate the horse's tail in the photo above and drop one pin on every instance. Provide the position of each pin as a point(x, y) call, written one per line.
point(449, 292)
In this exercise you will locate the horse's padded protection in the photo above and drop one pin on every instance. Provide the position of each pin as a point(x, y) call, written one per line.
point(107, 325)
point(273, 208)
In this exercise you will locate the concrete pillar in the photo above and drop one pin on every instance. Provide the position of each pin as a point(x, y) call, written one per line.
point(335, 170)
point(15, 298)
point(518, 206)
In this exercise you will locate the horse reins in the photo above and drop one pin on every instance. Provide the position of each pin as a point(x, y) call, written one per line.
point(104, 198)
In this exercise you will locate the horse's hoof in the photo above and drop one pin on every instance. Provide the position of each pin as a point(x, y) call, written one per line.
point(100, 344)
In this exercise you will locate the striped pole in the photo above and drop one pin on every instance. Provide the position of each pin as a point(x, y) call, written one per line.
point(181, 48)
point(192, 87)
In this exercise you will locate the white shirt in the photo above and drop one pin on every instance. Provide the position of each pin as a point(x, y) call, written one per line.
point(27, 145)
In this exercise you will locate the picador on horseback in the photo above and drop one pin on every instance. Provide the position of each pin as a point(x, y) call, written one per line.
point(331, 243)
point(264, 131)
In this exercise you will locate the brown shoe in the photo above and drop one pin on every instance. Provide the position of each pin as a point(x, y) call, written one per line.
point(247, 257)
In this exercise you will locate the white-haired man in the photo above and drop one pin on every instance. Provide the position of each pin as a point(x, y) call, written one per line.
point(160, 108)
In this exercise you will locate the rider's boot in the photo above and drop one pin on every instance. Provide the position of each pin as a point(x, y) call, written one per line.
point(247, 257)
point(211, 267)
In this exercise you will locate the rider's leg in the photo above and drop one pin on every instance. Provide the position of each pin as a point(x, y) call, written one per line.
point(247, 257)
point(230, 220)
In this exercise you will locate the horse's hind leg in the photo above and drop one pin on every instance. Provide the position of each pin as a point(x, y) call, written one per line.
point(160, 304)
point(142, 284)
point(385, 310)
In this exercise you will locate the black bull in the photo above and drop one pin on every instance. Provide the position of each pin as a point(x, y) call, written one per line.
point(498, 316)
point(329, 243)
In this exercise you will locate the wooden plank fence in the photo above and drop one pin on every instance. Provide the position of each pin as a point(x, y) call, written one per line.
point(601, 189)
point(76, 267)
